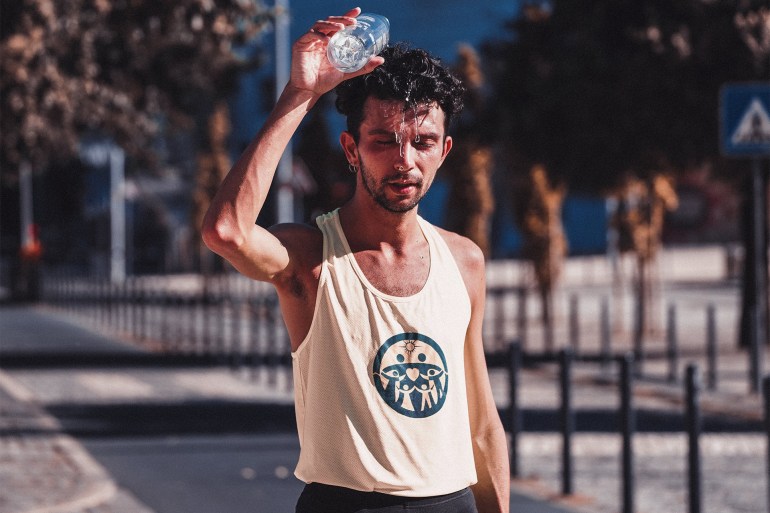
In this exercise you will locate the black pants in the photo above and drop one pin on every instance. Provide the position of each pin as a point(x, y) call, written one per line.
point(321, 498)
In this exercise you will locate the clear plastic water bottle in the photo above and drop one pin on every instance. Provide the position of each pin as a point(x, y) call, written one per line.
point(351, 48)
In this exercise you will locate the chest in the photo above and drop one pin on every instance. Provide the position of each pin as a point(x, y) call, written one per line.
point(399, 276)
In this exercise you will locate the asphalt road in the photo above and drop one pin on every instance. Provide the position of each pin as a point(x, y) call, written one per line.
point(204, 474)
point(207, 474)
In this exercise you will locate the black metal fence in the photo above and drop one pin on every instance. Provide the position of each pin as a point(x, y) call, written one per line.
point(237, 322)
point(626, 417)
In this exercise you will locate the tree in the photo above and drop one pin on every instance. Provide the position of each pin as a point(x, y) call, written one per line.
point(599, 91)
point(469, 165)
point(538, 215)
point(125, 68)
point(114, 66)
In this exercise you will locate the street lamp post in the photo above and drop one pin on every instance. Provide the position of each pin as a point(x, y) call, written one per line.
point(285, 203)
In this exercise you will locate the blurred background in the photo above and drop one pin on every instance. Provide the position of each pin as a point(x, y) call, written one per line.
point(612, 163)
point(598, 120)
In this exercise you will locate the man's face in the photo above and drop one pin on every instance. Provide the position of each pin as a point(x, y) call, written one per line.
point(398, 152)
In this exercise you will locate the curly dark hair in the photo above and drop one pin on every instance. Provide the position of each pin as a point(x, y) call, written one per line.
point(410, 75)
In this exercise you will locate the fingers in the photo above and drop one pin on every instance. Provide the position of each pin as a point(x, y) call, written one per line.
point(334, 24)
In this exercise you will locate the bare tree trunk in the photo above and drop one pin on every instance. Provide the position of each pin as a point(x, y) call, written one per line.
point(213, 164)
point(546, 299)
point(469, 166)
point(539, 218)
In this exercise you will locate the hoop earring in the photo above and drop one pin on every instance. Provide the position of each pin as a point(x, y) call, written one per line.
point(353, 169)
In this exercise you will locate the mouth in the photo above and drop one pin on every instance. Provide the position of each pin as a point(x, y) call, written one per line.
point(404, 187)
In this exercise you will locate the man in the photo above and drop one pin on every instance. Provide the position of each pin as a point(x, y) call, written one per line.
point(384, 311)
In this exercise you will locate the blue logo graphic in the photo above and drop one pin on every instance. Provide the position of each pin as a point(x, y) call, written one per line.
point(410, 373)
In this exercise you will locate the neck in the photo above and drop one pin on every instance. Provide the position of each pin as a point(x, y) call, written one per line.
point(369, 226)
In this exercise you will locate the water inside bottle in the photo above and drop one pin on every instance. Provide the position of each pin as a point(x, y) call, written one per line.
point(349, 52)
point(350, 49)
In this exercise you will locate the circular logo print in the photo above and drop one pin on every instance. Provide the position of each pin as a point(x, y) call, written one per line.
point(410, 373)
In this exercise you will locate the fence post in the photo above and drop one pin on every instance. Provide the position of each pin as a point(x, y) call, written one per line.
point(499, 318)
point(711, 346)
point(514, 412)
point(567, 419)
point(638, 333)
point(766, 394)
point(627, 427)
point(672, 343)
point(693, 435)
point(606, 333)
point(574, 324)
point(755, 355)
point(522, 317)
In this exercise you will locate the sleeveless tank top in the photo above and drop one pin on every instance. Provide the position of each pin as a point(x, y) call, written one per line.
point(379, 380)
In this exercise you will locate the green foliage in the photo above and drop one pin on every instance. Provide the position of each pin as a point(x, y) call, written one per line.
point(597, 90)
point(115, 66)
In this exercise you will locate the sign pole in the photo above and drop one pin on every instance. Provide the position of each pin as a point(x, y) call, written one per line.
point(759, 314)
point(745, 133)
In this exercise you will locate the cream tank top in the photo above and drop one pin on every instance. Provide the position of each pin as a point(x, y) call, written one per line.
point(379, 380)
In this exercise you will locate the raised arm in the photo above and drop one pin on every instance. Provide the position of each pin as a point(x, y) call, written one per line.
point(229, 227)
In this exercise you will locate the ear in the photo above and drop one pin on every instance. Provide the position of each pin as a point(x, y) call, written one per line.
point(447, 147)
point(350, 147)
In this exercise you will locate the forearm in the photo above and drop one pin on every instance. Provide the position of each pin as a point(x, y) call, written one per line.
point(229, 225)
point(492, 491)
point(242, 194)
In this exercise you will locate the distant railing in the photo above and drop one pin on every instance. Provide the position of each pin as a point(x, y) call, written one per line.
point(232, 319)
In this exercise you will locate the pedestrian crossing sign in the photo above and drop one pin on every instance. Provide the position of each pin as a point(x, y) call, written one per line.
point(745, 120)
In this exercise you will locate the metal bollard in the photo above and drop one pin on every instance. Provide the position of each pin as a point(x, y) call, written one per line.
point(693, 421)
point(711, 347)
point(514, 411)
point(672, 343)
point(567, 419)
point(627, 428)
point(766, 394)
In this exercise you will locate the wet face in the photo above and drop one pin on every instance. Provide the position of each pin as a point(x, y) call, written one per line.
point(398, 152)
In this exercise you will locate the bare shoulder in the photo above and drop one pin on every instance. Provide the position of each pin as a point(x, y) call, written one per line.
point(469, 258)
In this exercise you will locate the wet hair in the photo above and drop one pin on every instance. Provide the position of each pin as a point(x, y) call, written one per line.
point(410, 75)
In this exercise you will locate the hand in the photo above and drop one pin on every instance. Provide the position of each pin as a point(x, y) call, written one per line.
point(310, 69)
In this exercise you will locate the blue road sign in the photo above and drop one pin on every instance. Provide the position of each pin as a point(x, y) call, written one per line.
point(745, 120)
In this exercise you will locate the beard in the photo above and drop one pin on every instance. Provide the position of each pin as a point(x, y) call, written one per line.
point(377, 191)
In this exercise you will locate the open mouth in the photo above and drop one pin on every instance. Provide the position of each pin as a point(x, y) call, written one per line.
point(402, 188)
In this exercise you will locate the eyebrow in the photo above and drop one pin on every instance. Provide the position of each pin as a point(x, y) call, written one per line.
point(389, 133)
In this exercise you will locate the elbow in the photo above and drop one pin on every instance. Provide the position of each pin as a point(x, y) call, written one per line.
point(221, 235)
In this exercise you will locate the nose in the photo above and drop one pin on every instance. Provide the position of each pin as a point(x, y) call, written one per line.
point(405, 160)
